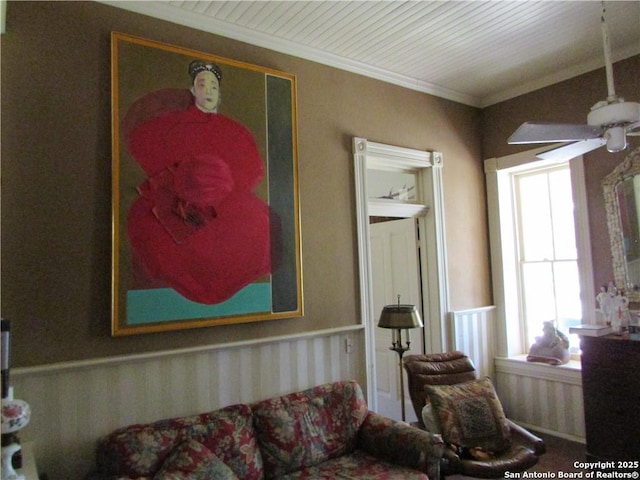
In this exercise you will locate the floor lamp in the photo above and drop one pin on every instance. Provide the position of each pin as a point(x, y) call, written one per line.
point(400, 317)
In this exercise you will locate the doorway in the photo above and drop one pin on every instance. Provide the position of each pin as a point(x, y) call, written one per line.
point(422, 171)
point(395, 260)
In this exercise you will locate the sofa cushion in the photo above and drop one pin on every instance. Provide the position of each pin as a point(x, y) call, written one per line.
point(191, 460)
point(470, 414)
point(306, 428)
point(140, 450)
point(356, 466)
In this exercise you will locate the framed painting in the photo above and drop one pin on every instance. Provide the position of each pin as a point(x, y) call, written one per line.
point(205, 203)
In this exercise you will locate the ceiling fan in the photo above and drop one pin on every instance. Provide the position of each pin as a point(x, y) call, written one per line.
point(608, 123)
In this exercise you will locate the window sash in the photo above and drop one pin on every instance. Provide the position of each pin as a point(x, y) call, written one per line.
point(503, 241)
point(549, 281)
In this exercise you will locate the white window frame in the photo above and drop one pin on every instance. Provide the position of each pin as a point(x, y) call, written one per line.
point(503, 244)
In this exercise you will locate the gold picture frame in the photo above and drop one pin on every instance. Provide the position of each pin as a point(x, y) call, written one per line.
point(205, 204)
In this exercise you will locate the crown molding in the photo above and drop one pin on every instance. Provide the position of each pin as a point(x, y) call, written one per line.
point(559, 76)
point(165, 11)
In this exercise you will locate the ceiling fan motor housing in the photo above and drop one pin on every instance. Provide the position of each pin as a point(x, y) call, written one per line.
point(614, 114)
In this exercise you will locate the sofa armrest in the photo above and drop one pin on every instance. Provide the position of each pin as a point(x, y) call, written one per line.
point(400, 443)
point(450, 462)
point(528, 438)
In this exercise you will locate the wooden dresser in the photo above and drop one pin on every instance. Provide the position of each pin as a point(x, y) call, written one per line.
point(611, 390)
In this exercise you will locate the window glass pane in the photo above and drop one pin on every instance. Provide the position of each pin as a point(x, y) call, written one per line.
point(574, 340)
point(564, 236)
point(548, 254)
point(567, 290)
point(392, 185)
point(539, 298)
point(569, 306)
point(535, 219)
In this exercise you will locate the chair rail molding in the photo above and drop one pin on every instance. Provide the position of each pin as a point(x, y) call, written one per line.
point(429, 210)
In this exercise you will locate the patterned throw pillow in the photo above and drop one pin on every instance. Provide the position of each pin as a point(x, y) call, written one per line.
point(303, 429)
point(139, 451)
point(192, 460)
point(470, 415)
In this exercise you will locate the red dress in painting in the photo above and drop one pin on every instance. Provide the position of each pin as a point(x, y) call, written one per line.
point(197, 226)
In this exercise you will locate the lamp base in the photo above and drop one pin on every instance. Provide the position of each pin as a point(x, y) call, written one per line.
point(8, 473)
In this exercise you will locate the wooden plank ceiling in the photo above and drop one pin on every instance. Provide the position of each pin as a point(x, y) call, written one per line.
point(474, 52)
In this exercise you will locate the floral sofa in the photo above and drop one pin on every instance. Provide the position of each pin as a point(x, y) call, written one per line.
point(325, 432)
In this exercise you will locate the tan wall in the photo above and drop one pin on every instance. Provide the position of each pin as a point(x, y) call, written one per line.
point(56, 160)
point(570, 102)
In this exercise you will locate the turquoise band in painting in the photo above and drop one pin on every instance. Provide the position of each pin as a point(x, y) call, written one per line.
point(165, 304)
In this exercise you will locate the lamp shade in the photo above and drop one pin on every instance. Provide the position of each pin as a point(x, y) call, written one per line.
point(400, 316)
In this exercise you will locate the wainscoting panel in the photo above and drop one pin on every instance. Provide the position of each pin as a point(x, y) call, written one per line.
point(542, 397)
point(473, 332)
point(75, 403)
point(537, 396)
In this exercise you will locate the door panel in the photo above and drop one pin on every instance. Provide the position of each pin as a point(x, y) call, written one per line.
point(394, 263)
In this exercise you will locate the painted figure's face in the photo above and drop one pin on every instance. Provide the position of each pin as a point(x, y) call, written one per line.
point(206, 90)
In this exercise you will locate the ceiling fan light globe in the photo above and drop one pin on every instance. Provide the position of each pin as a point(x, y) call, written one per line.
point(616, 139)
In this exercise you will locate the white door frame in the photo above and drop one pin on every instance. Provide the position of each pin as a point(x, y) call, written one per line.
point(430, 213)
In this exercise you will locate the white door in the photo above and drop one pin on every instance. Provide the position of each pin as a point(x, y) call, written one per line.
point(394, 262)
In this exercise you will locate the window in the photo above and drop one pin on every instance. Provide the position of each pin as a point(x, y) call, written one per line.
point(540, 248)
point(549, 284)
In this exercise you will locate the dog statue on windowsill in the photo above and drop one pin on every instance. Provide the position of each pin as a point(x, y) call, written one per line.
point(551, 348)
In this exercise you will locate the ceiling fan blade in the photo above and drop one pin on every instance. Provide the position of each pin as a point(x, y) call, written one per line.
point(630, 129)
point(567, 152)
point(530, 132)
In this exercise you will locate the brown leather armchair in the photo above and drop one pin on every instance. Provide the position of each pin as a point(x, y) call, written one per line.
point(455, 367)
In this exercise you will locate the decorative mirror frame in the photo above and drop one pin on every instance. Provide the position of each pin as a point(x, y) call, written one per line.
point(627, 169)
